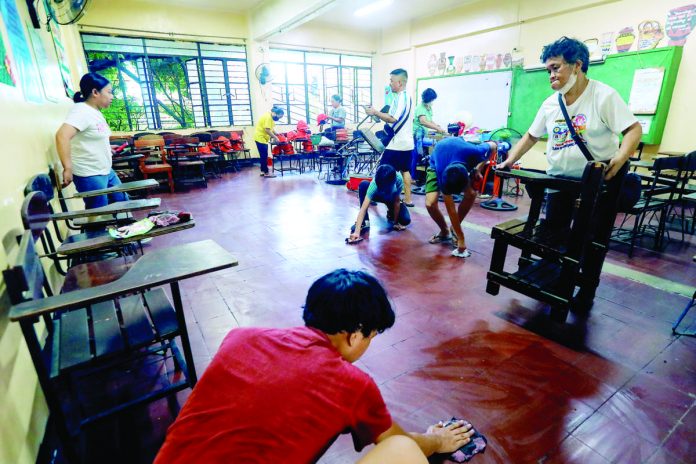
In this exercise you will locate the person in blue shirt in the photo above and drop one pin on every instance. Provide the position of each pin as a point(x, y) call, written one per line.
point(385, 188)
point(452, 163)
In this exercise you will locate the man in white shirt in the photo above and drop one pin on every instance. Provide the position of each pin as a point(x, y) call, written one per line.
point(399, 150)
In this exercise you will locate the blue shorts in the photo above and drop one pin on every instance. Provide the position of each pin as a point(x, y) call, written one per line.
point(400, 160)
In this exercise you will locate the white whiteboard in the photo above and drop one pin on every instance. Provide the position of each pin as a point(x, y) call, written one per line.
point(485, 95)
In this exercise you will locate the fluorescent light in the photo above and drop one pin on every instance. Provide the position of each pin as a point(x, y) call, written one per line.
point(372, 7)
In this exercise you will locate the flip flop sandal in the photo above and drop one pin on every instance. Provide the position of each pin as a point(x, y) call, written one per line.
point(410, 205)
point(353, 242)
point(437, 238)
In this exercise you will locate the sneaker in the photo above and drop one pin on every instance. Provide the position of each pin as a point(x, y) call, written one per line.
point(464, 254)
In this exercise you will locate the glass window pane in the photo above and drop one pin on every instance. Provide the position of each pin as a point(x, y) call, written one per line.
point(289, 56)
point(295, 74)
point(353, 60)
point(323, 58)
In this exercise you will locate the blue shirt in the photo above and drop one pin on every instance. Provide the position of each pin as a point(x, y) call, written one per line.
point(457, 150)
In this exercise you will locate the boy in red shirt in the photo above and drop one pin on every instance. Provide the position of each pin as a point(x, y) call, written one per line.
point(286, 394)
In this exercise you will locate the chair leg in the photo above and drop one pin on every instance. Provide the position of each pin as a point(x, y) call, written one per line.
point(171, 181)
point(689, 305)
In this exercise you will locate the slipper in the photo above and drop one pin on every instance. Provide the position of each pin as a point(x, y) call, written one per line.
point(410, 205)
point(437, 238)
point(353, 242)
point(269, 176)
point(464, 254)
point(262, 174)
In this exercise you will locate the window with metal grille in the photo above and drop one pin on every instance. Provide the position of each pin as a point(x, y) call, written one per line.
point(171, 84)
point(304, 82)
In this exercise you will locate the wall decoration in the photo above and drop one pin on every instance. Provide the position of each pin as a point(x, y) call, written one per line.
point(6, 75)
point(645, 91)
point(432, 64)
point(482, 63)
point(475, 63)
point(450, 66)
point(26, 73)
point(498, 61)
point(649, 34)
point(467, 63)
point(680, 23)
point(63, 63)
point(489, 62)
point(517, 59)
point(593, 47)
point(625, 39)
point(507, 60)
point(47, 63)
point(458, 64)
point(441, 64)
point(606, 43)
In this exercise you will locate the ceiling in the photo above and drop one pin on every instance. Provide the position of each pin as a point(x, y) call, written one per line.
point(398, 12)
point(341, 14)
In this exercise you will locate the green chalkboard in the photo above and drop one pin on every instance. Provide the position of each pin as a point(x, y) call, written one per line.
point(531, 88)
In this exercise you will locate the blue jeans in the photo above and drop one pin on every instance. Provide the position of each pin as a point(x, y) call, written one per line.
point(404, 216)
point(263, 156)
point(85, 184)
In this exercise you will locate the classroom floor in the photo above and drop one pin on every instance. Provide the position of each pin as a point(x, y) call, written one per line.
point(629, 397)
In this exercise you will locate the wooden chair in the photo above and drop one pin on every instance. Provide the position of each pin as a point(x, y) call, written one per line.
point(111, 347)
point(553, 262)
point(150, 147)
point(188, 167)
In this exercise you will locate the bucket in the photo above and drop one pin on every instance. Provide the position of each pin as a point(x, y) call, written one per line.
point(354, 181)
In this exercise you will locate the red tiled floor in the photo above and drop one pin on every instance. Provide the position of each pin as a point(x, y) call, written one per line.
point(454, 350)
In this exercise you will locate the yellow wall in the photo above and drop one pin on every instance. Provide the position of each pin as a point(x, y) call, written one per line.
point(26, 131)
point(500, 26)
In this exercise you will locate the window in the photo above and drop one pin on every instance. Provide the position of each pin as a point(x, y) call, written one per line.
point(168, 84)
point(303, 83)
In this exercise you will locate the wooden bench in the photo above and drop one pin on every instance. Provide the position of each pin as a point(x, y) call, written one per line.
point(553, 262)
point(91, 364)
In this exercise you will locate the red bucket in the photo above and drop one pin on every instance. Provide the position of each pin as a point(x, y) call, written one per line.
point(354, 182)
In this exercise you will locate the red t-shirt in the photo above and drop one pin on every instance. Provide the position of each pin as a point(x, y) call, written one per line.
point(275, 395)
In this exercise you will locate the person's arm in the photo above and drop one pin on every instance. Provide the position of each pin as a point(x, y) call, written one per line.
point(437, 439)
point(629, 144)
point(272, 134)
point(429, 124)
point(386, 117)
point(361, 216)
point(396, 208)
point(65, 133)
point(518, 151)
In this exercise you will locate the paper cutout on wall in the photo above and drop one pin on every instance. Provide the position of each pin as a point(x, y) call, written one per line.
point(450, 66)
point(593, 47)
point(467, 63)
point(498, 61)
point(63, 63)
point(47, 63)
point(490, 62)
point(507, 60)
point(625, 39)
point(517, 59)
point(476, 63)
point(442, 64)
point(458, 64)
point(6, 75)
point(432, 64)
point(26, 74)
point(482, 63)
point(680, 23)
point(649, 34)
point(606, 43)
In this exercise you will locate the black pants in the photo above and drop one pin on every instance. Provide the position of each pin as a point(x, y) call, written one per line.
point(404, 215)
point(263, 154)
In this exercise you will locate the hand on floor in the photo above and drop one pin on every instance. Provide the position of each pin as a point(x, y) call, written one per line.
point(452, 436)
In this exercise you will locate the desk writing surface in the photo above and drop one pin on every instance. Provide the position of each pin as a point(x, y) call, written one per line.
point(125, 187)
point(157, 267)
point(112, 208)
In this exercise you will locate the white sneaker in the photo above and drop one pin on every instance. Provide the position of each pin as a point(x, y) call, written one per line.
point(464, 254)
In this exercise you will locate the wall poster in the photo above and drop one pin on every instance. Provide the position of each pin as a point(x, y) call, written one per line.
point(27, 75)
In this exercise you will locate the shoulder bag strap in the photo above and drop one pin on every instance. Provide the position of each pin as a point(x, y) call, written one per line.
point(576, 138)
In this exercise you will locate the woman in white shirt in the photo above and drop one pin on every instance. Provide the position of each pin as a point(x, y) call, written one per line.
point(599, 116)
point(83, 142)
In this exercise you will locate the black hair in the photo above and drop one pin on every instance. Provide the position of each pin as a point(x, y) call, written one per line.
point(348, 301)
point(90, 81)
point(400, 72)
point(571, 50)
point(454, 178)
point(385, 176)
point(337, 98)
point(277, 110)
point(428, 95)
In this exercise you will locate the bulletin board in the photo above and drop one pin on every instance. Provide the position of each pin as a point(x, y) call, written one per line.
point(531, 87)
point(486, 95)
